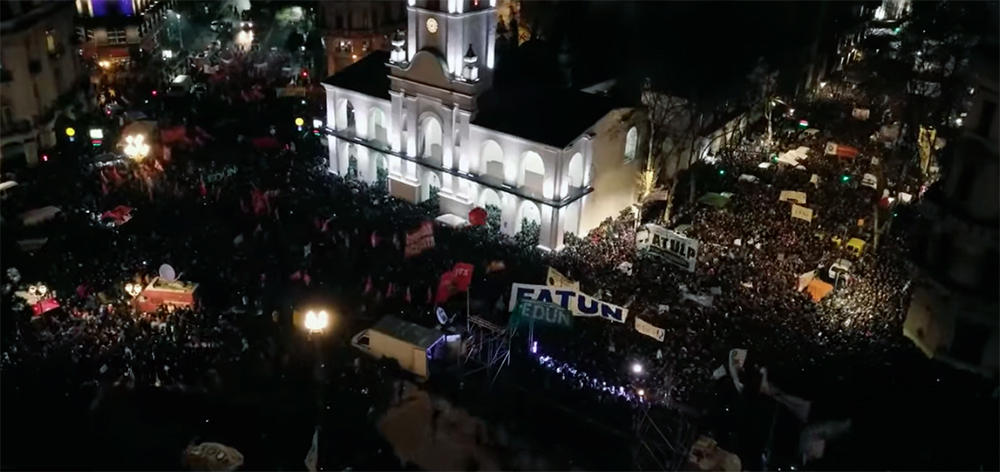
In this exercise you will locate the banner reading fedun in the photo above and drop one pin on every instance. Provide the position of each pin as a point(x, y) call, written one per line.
point(649, 330)
point(556, 279)
point(580, 304)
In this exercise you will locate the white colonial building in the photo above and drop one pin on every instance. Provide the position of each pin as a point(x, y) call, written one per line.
point(425, 119)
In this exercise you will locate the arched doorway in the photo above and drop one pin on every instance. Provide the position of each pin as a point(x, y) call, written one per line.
point(431, 138)
point(490, 201)
point(352, 162)
point(574, 174)
point(532, 172)
point(377, 130)
point(381, 170)
point(345, 116)
point(631, 144)
point(491, 160)
point(431, 184)
point(528, 212)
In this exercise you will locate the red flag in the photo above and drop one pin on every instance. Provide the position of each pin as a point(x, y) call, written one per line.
point(81, 290)
point(462, 275)
point(297, 275)
point(408, 299)
point(368, 284)
point(444, 287)
point(374, 239)
point(306, 278)
point(157, 165)
point(391, 290)
point(201, 188)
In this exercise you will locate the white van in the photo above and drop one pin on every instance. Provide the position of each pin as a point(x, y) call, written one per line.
point(180, 86)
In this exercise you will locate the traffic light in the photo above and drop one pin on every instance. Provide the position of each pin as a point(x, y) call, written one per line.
point(299, 122)
point(845, 178)
point(45, 158)
point(722, 172)
point(154, 93)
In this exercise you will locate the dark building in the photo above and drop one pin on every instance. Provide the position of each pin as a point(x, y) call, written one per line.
point(354, 28)
point(110, 30)
point(953, 315)
point(39, 75)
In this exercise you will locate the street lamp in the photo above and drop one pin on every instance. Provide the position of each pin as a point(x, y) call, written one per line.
point(168, 54)
point(316, 321)
point(136, 147)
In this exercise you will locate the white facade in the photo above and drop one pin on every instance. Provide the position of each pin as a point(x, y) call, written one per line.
point(421, 137)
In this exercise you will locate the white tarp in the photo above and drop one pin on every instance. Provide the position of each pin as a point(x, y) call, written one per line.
point(792, 196)
point(39, 215)
point(451, 221)
point(747, 178)
point(795, 156)
point(905, 197)
point(804, 280)
point(648, 329)
point(678, 249)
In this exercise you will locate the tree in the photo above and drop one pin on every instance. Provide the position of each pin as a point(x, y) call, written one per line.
point(493, 216)
point(529, 235)
point(673, 128)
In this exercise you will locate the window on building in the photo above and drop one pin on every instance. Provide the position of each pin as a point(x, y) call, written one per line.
point(116, 36)
point(631, 144)
point(51, 45)
point(986, 116)
point(6, 116)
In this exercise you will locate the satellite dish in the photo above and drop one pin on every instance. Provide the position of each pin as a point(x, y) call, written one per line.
point(442, 316)
point(167, 273)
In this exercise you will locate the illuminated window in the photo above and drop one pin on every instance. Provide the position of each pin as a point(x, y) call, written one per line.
point(631, 144)
point(116, 36)
point(50, 42)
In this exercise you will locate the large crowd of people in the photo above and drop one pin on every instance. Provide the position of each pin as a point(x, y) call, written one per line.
point(281, 229)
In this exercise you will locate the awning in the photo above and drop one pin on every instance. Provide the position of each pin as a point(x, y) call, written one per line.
point(714, 199)
point(452, 221)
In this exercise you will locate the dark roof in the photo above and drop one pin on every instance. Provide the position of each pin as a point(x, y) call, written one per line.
point(544, 115)
point(411, 333)
point(369, 76)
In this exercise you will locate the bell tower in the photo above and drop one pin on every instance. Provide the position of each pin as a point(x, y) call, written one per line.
point(459, 34)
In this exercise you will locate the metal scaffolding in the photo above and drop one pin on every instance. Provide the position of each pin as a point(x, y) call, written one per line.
point(659, 448)
point(488, 347)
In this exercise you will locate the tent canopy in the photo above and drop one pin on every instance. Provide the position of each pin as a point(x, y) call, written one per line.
point(715, 199)
point(452, 221)
point(818, 289)
point(411, 333)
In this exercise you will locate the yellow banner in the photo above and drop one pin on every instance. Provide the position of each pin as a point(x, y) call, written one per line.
point(556, 279)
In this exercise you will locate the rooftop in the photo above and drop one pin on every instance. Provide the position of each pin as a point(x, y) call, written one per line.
point(411, 333)
point(369, 76)
point(544, 115)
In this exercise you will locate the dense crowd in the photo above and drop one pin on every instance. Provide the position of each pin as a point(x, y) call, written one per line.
point(282, 229)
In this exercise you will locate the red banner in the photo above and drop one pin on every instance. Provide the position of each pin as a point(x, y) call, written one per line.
point(420, 240)
point(43, 306)
point(444, 287)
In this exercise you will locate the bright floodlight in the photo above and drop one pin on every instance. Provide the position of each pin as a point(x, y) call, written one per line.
point(133, 289)
point(317, 123)
point(70, 132)
point(299, 122)
point(136, 147)
point(641, 392)
point(168, 54)
point(822, 84)
point(317, 321)
point(637, 368)
point(96, 133)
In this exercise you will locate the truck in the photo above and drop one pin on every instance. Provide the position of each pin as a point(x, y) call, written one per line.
point(418, 350)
